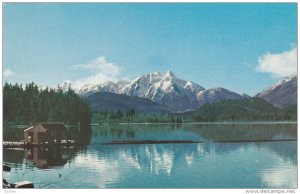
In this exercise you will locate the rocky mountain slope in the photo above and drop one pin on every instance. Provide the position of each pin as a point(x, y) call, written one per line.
point(167, 90)
point(282, 94)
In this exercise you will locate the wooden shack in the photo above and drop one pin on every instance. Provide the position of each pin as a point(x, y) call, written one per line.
point(46, 133)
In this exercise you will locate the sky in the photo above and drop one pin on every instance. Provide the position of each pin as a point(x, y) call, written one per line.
point(243, 47)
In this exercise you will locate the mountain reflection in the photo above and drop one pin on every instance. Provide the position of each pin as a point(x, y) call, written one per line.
point(163, 158)
point(156, 159)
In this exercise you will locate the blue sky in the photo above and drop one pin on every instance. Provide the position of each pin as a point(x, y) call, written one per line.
point(241, 47)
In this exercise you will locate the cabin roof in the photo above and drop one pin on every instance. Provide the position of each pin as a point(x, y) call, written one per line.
point(54, 126)
point(49, 126)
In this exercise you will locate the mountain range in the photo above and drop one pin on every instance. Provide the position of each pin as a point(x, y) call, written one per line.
point(175, 94)
point(167, 90)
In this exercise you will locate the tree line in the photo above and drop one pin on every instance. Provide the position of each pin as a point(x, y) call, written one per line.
point(130, 116)
point(28, 105)
point(252, 109)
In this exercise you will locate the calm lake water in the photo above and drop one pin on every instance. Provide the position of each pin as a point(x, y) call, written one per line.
point(198, 165)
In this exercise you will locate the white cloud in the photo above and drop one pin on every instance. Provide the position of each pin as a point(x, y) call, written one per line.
point(8, 73)
point(102, 71)
point(279, 65)
point(101, 65)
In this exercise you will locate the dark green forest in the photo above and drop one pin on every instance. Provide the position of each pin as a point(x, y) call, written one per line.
point(251, 109)
point(28, 105)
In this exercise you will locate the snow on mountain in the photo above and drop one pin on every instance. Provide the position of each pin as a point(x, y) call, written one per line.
point(122, 83)
point(192, 87)
point(89, 89)
point(175, 93)
point(165, 89)
point(217, 94)
point(168, 90)
point(140, 85)
point(282, 94)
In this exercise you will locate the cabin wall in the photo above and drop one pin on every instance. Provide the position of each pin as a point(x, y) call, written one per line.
point(26, 137)
point(36, 137)
point(40, 134)
point(34, 133)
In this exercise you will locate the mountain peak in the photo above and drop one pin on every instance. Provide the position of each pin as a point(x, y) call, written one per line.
point(156, 73)
point(281, 94)
point(169, 73)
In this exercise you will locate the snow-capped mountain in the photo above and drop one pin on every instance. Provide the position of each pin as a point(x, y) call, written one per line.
point(282, 94)
point(217, 94)
point(178, 94)
point(89, 89)
point(140, 86)
point(168, 90)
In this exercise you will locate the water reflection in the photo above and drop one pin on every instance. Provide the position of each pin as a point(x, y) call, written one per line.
point(107, 133)
point(232, 132)
point(162, 158)
point(280, 176)
point(48, 157)
point(13, 157)
point(198, 165)
point(206, 133)
point(43, 158)
point(85, 134)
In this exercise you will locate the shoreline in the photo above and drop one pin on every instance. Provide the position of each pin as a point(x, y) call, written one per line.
point(204, 123)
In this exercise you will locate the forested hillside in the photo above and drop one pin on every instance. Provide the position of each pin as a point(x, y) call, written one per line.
point(251, 109)
point(110, 102)
point(29, 104)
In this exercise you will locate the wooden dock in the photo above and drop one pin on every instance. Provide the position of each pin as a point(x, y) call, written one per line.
point(21, 144)
point(13, 144)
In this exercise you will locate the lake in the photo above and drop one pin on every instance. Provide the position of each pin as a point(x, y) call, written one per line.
point(213, 163)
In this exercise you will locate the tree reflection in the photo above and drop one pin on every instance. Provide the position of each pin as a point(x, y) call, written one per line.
point(233, 132)
point(49, 157)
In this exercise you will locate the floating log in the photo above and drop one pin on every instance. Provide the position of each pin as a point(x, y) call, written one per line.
point(258, 140)
point(150, 142)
